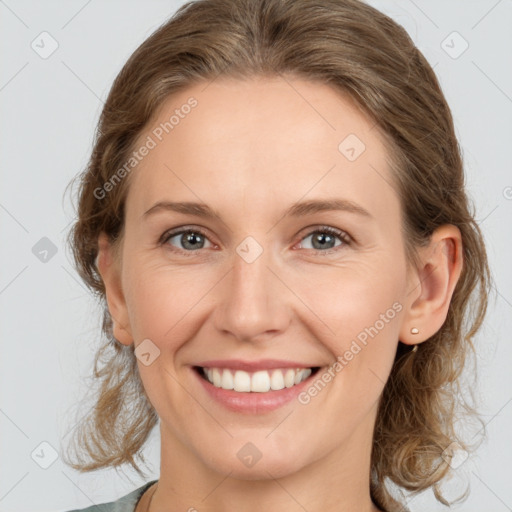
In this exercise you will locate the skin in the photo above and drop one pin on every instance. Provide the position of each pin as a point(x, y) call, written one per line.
point(249, 150)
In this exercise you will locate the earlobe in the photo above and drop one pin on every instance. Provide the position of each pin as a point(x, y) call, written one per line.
point(108, 268)
point(432, 288)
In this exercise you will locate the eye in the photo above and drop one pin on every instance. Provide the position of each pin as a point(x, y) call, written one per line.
point(324, 238)
point(187, 240)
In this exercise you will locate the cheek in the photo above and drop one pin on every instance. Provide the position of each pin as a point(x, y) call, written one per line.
point(161, 300)
point(348, 300)
point(360, 311)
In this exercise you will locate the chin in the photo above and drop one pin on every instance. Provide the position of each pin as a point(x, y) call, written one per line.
point(251, 463)
point(260, 471)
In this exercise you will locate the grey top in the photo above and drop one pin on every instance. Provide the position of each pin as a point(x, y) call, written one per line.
point(129, 502)
point(125, 504)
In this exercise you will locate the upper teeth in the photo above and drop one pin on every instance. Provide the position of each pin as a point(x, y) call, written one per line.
point(260, 381)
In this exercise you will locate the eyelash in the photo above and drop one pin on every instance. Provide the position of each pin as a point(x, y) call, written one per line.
point(342, 235)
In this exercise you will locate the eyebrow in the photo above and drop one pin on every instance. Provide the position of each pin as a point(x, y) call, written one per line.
point(296, 210)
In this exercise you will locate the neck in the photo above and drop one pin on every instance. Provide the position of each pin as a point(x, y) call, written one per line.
point(337, 481)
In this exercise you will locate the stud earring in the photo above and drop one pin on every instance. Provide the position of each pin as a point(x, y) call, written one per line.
point(415, 330)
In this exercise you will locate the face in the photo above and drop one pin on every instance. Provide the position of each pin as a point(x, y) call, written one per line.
point(297, 262)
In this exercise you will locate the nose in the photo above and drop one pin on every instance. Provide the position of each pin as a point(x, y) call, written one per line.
point(253, 302)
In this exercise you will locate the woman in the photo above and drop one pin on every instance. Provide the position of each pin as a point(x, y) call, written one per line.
point(274, 216)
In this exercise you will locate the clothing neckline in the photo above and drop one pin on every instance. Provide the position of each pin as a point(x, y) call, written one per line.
point(141, 492)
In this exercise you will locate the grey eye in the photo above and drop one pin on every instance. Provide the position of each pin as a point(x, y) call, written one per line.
point(188, 240)
point(322, 240)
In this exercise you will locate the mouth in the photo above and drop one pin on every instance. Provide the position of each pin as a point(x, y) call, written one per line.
point(261, 381)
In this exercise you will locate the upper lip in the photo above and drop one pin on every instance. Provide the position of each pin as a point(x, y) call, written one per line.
point(251, 366)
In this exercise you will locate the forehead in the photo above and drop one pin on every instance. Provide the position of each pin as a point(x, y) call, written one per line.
point(261, 140)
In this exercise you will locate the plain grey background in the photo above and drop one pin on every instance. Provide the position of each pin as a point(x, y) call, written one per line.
point(50, 324)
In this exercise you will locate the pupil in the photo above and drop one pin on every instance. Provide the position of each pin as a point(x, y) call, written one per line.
point(322, 239)
point(191, 238)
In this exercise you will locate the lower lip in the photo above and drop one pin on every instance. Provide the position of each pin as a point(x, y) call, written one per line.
point(253, 402)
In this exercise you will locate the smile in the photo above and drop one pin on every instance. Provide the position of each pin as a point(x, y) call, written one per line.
point(260, 381)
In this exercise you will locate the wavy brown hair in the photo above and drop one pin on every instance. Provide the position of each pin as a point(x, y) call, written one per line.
point(361, 52)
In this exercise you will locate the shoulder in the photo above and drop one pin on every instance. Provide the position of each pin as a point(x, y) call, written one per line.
point(126, 503)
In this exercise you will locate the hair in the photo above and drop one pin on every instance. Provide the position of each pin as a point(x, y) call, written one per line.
point(358, 51)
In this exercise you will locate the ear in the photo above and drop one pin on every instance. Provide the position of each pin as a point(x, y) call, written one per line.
point(109, 269)
point(431, 286)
